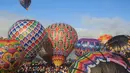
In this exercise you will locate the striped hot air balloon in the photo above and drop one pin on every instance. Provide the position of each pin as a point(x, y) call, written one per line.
point(99, 62)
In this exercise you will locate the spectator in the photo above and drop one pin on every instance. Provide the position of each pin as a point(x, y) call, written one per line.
point(42, 68)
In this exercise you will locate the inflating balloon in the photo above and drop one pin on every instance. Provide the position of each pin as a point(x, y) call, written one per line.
point(25, 3)
point(99, 62)
point(47, 51)
point(31, 35)
point(119, 44)
point(11, 55)
point(85, 45)
point(46, 56)
point(63, 38)
point(104, 38)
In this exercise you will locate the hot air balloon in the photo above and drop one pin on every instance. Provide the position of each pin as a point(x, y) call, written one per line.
point(119, 44)
point(85, 45)
point(46, 56)
point(99, 62)
point(25, 3)
point(11, 55)
point(46, 51)
point(63, 38)
point(31, 35)
point(104, 38)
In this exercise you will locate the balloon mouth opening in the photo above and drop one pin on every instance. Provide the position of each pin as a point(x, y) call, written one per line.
point(58, 60)
point(26, 8)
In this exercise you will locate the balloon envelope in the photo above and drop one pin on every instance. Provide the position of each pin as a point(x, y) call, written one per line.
point(119, 44)
point(85, 45)
point(94, 60)
point(31, 35)
point(11, 55)
point(25, 3)
point(44, 55)
point(63, 38)
point(104, 38)
point(47, 47)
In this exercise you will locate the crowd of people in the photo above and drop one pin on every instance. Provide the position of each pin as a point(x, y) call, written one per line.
point(40, 67)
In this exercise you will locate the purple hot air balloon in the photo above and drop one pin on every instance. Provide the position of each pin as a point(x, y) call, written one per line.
point(25, 3)
point(85, 45)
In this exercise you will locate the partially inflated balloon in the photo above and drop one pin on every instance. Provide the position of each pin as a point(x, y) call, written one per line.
point(25, 3)
point(47, 51)
point(119, 44)
point(47, 47)
point(63, 38)
point(11, 55)
point(104, 38)
point(46, 56)
point(31, 35)
point(86, 45)
point(100, 62)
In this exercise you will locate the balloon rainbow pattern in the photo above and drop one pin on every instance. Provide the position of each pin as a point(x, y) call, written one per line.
point(90, 60)
point(11, 54)
point(31, 35)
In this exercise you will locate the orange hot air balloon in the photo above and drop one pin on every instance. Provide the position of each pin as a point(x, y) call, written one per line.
point(62, 37)
point(104, 38)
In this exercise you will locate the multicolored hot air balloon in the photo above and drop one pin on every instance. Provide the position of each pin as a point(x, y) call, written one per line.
point(63, 38)
point(119, 44)
point(25, 3)
point(11, 55)
point(104, 38)
point(85, 45)
point(99, 62)
point(31, 35)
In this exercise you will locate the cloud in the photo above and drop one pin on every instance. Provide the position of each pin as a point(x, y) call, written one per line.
point(7, 19)
point(95, 26)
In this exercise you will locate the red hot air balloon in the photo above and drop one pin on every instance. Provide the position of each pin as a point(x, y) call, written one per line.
point(63, 38)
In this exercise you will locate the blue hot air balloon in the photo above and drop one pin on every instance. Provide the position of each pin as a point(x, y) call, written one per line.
point(25, 3)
